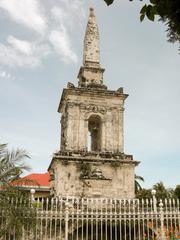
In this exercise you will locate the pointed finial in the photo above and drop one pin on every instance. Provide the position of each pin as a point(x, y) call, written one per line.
point(91, 41)
point(91, 10)
point(91, 72)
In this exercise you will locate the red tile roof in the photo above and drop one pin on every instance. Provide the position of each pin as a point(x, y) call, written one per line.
point(34, 179)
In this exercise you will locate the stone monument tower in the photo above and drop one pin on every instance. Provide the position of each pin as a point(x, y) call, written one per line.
point(91, 161)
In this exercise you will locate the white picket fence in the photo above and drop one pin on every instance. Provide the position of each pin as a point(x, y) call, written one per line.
point(103, 219)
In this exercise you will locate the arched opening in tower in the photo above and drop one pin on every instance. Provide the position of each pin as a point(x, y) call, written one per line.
point(94, 133)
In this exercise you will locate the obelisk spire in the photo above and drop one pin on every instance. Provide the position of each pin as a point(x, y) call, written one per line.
point(91, 74)
point(91, 54)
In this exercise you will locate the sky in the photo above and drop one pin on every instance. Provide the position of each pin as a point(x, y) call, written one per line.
point(41, 44)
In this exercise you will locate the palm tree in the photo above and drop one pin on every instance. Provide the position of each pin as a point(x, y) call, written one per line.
point(11, 164)
point(177, 192)
point(137, 184)
point(161, 191)
point(15, 204)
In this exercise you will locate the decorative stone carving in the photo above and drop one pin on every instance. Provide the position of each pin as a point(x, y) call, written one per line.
point(97, 174)
point(70, 104)
point(70, 85)
point(86, 172)
point(93, 108)
point(120, 90)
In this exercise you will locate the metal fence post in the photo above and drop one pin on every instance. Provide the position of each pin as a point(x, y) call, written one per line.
point(162, 220)
point(66, 218)
point(32, 192)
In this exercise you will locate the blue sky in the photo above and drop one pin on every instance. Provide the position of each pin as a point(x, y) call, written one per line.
point(41, 44)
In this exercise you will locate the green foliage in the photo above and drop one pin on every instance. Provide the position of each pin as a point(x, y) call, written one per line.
point(161, 192)
point(168, 12)
point(16, 209)
point(177, 192)
point(17, 212)
point(109, 2)
point(149, 11)
point(144, 193)
point(11, 164)
point(137, 184)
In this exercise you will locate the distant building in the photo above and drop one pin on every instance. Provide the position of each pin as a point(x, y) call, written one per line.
point(91, 161)
point(37, 181)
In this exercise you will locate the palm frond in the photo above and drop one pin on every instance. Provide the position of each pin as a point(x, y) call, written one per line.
point(137, 184)
point(12, 163)
point(137, 177)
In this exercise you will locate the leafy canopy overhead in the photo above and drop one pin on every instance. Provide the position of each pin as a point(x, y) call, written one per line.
point(168, 12)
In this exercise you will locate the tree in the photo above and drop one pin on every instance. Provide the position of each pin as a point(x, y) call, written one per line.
point(144, 193)
point(168, 12)
point(11, 164)
point(177, 192)
point(17, 212)
point(162, 192)
point(15, 204)
point(137, 184)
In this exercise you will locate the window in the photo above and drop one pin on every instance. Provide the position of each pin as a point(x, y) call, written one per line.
point(94, 134)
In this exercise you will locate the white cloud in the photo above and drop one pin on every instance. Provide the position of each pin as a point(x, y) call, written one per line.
point(11, 57)
point(20, 45)
point(63, 16)
point(61, 43)
point(20, 53)
point(58, 14)
point(69, 13)
point(74, 6)
point(66, 15)
point(27, 12)
point(5, 75)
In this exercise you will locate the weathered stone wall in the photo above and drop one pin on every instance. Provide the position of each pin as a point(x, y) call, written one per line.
point(89, 75)
point(118, 182)
point(75, 116)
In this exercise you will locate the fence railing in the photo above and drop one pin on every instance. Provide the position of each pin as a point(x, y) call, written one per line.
point(94, 219)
